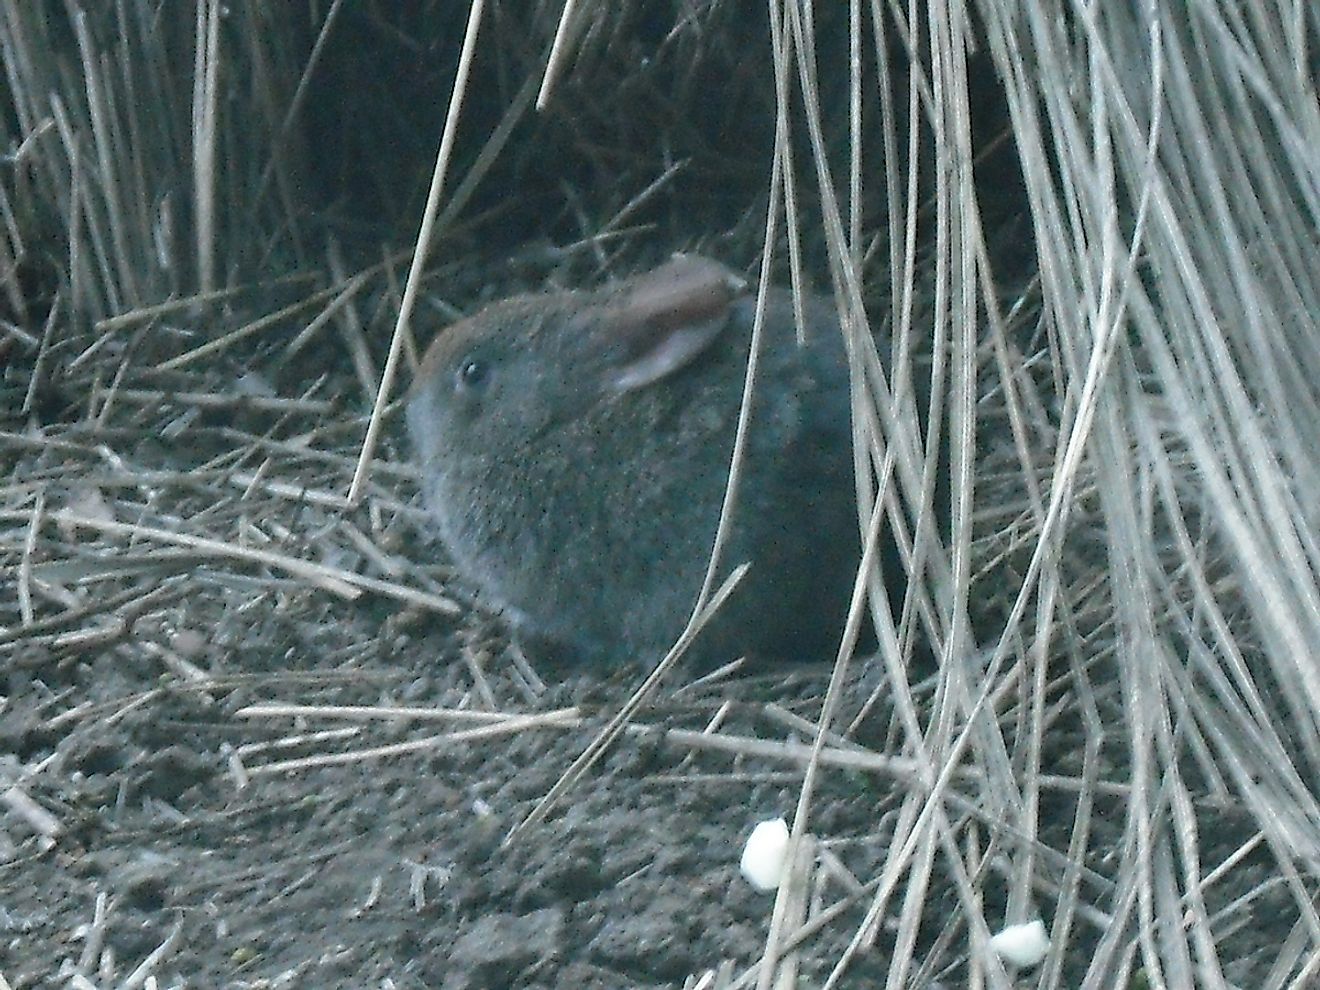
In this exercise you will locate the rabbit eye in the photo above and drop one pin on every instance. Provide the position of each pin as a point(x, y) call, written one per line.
point(472, 373)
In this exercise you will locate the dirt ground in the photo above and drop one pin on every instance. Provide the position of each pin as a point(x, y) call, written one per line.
point(156, 831)
point(385, 871)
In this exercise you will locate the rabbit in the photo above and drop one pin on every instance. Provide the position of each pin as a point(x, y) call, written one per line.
point(575, 447)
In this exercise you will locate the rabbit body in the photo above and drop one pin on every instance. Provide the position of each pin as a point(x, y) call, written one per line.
point(575, 446)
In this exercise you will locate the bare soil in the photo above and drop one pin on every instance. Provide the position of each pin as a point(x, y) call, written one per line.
point(155, 828)
point(387, 870)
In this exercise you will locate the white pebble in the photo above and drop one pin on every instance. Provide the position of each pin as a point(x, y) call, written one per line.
point(762, 860)
point(1022, 945)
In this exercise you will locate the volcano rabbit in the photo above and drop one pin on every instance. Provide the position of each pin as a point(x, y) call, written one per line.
point(574, 448)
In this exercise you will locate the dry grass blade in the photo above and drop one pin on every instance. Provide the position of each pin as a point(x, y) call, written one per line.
point(339, 582)
point(382, 713)
point(494, 730)
point(424, 238)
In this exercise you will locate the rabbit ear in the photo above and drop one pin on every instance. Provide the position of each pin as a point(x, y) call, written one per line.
point(664, 319)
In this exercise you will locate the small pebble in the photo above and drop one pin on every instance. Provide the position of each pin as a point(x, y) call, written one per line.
point(762, 860)
point(1022, 945)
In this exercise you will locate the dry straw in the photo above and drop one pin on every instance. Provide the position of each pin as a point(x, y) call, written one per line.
point(1123, 599)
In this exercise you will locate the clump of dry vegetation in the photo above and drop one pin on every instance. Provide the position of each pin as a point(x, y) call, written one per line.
point(1090, 230)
